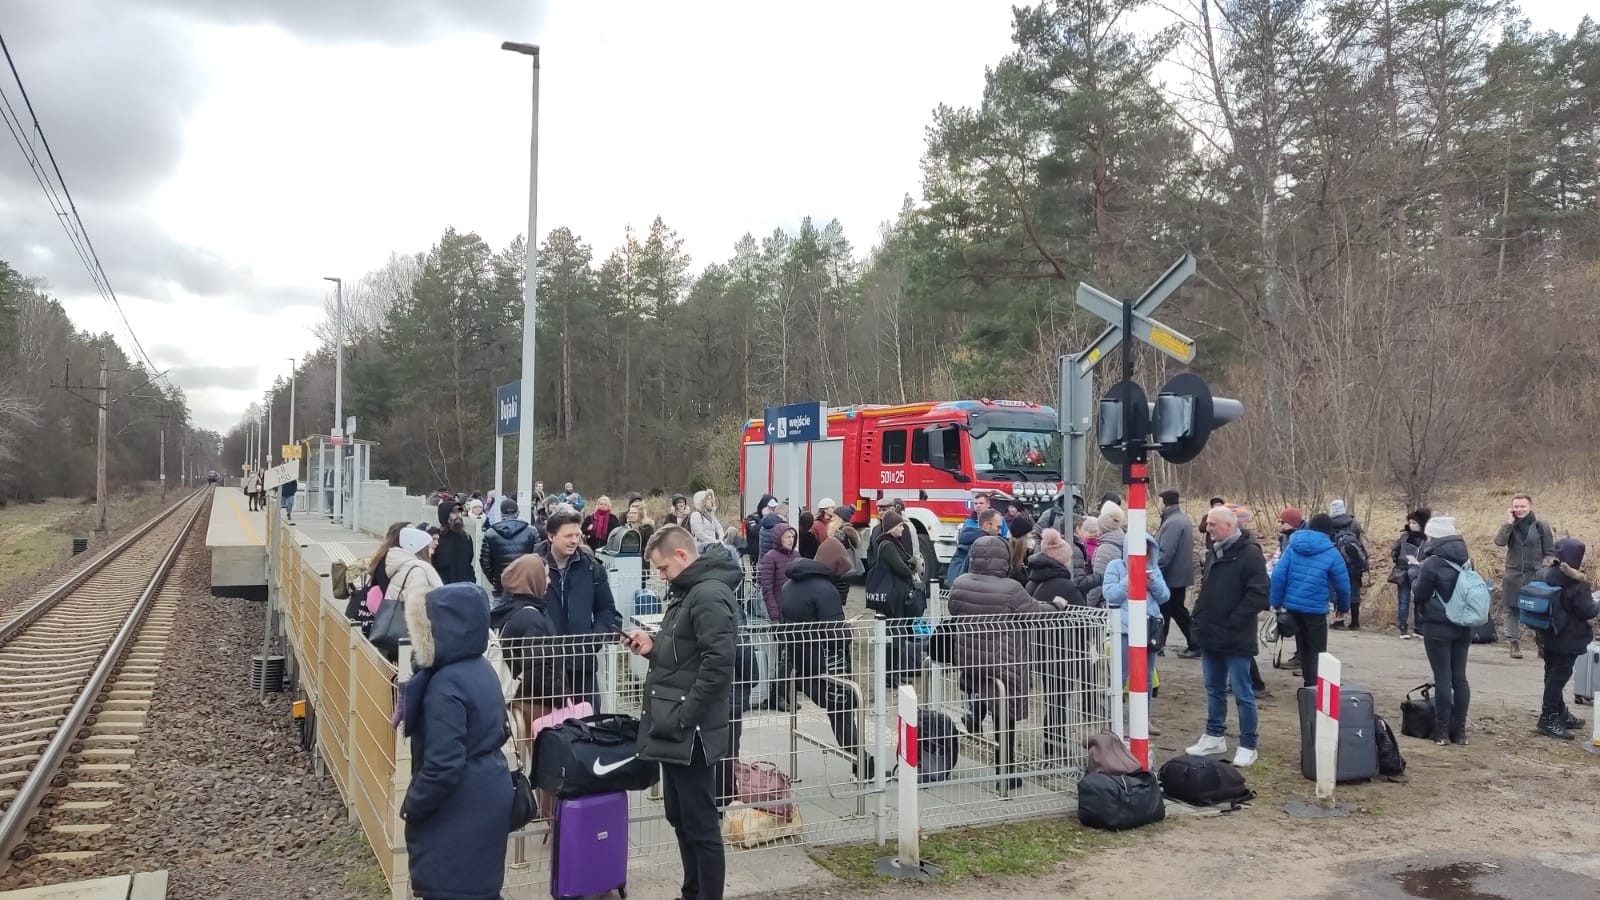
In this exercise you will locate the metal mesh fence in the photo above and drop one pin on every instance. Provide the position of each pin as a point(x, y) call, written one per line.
point(1006, 702)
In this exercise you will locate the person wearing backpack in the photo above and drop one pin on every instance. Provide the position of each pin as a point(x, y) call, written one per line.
point(1529, 541)
point(1433, 583)
point(1568, 637)
point(1349, 538)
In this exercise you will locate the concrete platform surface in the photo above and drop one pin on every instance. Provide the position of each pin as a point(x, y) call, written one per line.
point(143, 886)
point(237, 539)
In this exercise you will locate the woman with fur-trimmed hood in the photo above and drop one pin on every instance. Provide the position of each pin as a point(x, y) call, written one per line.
point(1569, 635)
point(457, 808)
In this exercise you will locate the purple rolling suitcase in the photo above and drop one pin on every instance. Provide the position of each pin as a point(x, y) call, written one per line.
point(589, 849)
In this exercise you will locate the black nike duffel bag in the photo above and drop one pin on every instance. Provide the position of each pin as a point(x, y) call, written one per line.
point(592, 755)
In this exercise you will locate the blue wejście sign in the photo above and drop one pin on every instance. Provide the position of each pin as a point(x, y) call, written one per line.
point(795, 423)
point(508, 408)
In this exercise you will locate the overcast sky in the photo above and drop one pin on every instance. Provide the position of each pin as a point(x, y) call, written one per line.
point(227, 154)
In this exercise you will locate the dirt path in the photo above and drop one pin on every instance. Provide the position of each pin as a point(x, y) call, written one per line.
point(1510, 798)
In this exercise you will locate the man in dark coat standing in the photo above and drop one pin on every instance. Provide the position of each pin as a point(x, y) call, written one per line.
point(578, 600)
point(1529, 541)
point(505, 540)
point(685, 722)
point(1236, 589)
point(1569, 637)
point(1176, 539)
point(453, 559)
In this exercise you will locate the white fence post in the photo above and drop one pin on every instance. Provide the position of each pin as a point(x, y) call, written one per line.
point(1328, 678)
point(907, 862)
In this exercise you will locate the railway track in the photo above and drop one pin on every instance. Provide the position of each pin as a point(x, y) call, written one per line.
point(77, 671)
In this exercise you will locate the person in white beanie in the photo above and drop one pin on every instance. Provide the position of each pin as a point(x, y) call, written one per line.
point(1110, 546)
point(1435, 570)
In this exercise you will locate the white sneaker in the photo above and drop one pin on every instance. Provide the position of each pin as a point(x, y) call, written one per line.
point(1244, 758)
point(1208, 746)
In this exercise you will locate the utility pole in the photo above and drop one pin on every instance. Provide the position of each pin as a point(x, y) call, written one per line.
point(292, 375)
point(530, 292)
point(338, 399)
point(100, 450)
point(163, 419)
point(266, 445)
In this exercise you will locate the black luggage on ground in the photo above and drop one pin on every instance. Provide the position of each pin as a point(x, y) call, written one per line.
point(1200, 781)
point(1118, 802)
point(938, 746)
point(1391, 761)
point(1418, 714)
point(1358, 746)
point(592, 755)
point(1485, 633)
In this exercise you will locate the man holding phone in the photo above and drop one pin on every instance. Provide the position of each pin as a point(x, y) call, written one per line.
point(686, 698)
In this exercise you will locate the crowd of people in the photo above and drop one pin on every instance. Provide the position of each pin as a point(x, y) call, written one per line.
point(546, 588)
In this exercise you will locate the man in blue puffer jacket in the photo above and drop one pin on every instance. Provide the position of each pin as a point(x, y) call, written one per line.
point(1311, 571)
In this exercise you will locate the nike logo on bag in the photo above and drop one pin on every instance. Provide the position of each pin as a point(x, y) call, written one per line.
point(603, 770)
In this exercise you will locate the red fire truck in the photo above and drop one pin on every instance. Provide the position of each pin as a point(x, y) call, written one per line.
point(934, 456)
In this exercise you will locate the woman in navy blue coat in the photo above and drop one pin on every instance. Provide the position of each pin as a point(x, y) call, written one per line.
point(458, 807)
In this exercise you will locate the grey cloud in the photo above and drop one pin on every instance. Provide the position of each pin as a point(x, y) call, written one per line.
point(385, 21)
point(200, 378)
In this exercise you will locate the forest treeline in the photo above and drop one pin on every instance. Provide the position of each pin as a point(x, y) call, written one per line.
point(49, 380)
point(1395, 205)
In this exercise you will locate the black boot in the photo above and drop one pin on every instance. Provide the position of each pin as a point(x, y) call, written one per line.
point(1571, 721)
point(1458, 734)
point(1552, 725)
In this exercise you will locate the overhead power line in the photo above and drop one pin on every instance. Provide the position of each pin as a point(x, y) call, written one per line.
point(60, 199)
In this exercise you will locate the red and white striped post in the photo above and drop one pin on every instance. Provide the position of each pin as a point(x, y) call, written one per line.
point(1328, 676)
point(910, 845)
point(1138, 625)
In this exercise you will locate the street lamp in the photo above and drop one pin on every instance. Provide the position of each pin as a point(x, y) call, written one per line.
point(293, 372)
point(338, 398)
point(530, 293)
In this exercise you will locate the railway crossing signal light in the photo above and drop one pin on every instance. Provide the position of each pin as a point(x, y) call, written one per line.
point(1177, 425)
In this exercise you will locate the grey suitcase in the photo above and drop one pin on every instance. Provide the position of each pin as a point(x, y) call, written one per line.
point(1584, 673)
point(1358, 739)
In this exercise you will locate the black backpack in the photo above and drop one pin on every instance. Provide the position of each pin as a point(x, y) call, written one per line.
point(1349, 546)
point(1390, 760)
point(938, 746)
point(1199, 781)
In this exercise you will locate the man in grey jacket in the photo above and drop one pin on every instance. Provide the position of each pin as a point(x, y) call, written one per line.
point(1528, 542)
point(1176, 539)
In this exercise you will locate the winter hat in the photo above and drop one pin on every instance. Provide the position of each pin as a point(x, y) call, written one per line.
point(1090, 525)
point(1570, 552)
point(1420, 516)
point(1054, 545)
point(1322, 522)
point(445, 509)
point(827, 505)
point(475, 508)
point(772, 505)
point(1336, 508)
point(1021, 526)
point(889, 520)
point(1440, 527)
point(1112, 518)
point(1293, 518)
point(508, 507)
point(413, 540)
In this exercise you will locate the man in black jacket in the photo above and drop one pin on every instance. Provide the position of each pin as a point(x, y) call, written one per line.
point(579, 601)
point(1235, 591)
point(505, 540)
point(685, 721)
point(453, 559)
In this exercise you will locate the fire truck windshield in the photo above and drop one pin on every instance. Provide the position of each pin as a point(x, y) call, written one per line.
point(1016, 453)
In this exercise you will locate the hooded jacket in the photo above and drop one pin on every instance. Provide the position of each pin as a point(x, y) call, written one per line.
point(453, 557)
point(773, 571)
point(688, 690)
point(1115, 589)
point(1310, 571)
point(1111, 546)
point(769, 522)
point(525, 633)
point(1433, 581)
point(813, 615)
point(457, 808)
point(503, 542)
point(1048, 578)
point(990, 650)
point(833, 555)
point(410, 580)
point(703, 523)
point(1234, 591)
point(1575, 607)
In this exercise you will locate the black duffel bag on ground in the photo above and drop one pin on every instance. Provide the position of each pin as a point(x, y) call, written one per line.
point(592, 755)
point(1119, 802)
point(1199, 781)
point(1417, 713)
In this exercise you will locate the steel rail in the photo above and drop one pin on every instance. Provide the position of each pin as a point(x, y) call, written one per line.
point(20, 813)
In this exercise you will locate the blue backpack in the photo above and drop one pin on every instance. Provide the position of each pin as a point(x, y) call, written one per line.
point(1468, 604)
point(1536, 605)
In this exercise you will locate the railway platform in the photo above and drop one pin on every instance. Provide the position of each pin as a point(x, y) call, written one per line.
point(237, 539)
point(143, 886)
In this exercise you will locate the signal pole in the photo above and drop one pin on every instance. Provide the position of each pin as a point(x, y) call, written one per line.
point(163, 456)
point(100, 450)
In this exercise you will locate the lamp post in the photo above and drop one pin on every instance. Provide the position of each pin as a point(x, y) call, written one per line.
point(530, 293)
point(293, 373)
point(338, 398)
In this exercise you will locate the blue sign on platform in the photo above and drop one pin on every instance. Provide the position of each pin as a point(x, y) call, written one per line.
point(795, 423)
point(508, 408)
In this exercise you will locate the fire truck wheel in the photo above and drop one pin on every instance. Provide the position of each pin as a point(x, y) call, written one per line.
point(930, 559)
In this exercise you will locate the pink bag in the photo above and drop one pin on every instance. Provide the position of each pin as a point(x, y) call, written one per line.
point(374, 599)
point(556, 717)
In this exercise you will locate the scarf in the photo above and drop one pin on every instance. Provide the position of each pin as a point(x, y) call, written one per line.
point(603, 521)
point(1524, 526)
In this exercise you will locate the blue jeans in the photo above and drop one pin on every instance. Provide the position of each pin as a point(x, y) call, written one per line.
point(1220, 670)
point(1404, 617)
point(1150, 658)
